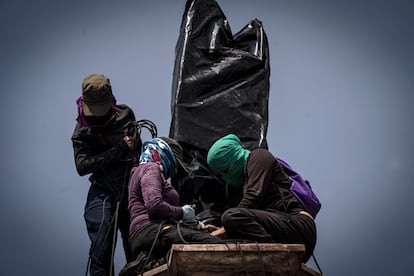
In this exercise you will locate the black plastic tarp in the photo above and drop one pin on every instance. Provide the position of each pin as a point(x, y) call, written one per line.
point(220, 85)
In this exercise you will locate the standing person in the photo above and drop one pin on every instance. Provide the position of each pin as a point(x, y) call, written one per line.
point(155, 207)
point(103, 148)
point(268, 211)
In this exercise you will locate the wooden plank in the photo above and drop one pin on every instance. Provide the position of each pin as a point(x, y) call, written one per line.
point(161, 270)
point(236, 259)
point(307, 271)
point(237, 246)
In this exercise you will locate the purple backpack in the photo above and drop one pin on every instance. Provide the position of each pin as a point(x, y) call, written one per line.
point(302, 190)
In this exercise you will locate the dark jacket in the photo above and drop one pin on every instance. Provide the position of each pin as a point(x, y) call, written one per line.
point(102, 151)
point(264, 182)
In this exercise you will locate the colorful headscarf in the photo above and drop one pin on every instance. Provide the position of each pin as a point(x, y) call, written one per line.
point(227, 158)
point(157, 150)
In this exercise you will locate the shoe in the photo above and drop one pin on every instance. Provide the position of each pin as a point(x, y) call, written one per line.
point(134, 267)
point(140, 265)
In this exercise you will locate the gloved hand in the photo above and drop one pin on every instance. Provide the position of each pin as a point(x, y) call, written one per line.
point(188, 212)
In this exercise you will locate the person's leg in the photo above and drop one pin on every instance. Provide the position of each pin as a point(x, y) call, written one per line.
point(244, 224)
point(141, 245)
point(99, 210)
point(168, 234)
point(306, 229)
point(124, 220)
point(179, 234)
point(270, 226)
point(144, 239)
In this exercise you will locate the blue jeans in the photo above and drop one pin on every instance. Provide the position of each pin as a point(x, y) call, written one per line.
point(100, 216)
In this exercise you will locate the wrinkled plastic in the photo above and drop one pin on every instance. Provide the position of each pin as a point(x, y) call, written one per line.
point(220, 81)
point(220, 86)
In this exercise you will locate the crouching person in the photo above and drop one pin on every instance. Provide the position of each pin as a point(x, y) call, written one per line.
point(155, 209)
point(268, 211)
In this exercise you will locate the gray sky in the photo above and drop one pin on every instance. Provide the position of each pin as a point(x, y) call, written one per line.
point(341, 96)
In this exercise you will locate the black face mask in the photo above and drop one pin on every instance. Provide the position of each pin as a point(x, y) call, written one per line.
point(95, 121)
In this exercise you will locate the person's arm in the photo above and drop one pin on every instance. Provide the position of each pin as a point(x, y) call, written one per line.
point(259, 178)
point(152, 193)
point(86, 162)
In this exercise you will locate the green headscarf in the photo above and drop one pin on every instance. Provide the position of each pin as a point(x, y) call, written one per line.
point(227, 158)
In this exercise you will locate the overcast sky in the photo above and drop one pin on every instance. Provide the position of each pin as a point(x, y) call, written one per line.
point(340, 112)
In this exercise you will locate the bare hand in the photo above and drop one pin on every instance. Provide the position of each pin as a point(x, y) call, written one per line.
point(219, 232)
point(210, 228)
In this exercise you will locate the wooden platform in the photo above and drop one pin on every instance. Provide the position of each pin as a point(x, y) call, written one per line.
point(235, 259)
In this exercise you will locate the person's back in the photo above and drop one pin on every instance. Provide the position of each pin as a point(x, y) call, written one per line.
point(103, 149)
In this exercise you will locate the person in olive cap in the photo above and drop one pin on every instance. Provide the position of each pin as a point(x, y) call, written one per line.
point(104, 149)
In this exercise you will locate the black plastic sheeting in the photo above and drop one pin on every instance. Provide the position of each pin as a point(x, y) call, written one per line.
point(220, 86)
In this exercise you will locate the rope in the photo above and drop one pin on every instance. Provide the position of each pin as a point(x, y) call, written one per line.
point(179, 233)
point(261, 259)
point(133, 128)
point(99, 230)
point(114, 238)
point(316, 262)
point(152, 247)
point(243, 261)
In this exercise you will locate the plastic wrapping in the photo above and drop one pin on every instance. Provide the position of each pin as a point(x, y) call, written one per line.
point(220, 81)
point(220, 86)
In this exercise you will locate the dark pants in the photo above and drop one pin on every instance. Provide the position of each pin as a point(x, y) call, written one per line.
point(270, 226)
point(169, 235)
point(100, 214)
